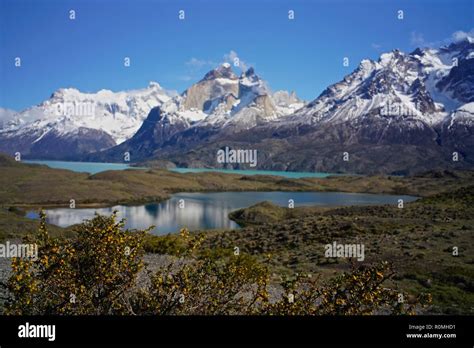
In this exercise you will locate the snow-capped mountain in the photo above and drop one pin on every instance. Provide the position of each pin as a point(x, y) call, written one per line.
point(401, 113)
point(71, 124)
point(425, 85)
point(88, 121)
point(404, 112)
point(224, 99)
point(6, 115)
point(221, 102)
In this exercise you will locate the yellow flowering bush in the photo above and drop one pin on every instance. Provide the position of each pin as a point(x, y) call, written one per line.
point(360, 292)
point(97, 272)
point(93, 273)
point(205, 286)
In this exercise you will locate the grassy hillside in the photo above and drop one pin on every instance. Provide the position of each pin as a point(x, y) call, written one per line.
point(29, 184)
point(417, 239)
point(13, 224)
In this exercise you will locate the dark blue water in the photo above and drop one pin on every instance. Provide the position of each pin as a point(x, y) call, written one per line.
point(210, 210)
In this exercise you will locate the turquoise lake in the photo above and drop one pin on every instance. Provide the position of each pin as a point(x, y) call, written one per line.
point(293, 175)
point(205, 210)
point(83, 167)
point(96, 167)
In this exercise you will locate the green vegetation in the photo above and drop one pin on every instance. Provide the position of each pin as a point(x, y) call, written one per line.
point(417, 240)
point(13, 224)
point(267, 212)
point(87, 274)
point(96, 272)
point(37, 185)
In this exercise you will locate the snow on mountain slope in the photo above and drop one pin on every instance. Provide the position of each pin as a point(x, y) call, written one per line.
point(464, 115)
point(419, 103)
point(220, 99)
point(223, 99)
point(425, 85)
point(403, 113)
point(6, 116)
point(219, 104)
point(118, 114)
point(286, 102)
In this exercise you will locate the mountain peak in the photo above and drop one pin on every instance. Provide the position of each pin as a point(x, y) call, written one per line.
point(61, 92)
point(250, 72)
point(390, 57)
point(222, 71)
point(466, 39)
point(417, 52)
point(465, 43)
point(250, 79)
point(154, 84)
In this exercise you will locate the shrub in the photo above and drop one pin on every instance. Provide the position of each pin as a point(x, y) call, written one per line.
point(360, 292)
point(90, 274)
point(96, 273)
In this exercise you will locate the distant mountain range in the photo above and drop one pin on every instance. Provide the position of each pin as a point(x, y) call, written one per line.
point(71, 124)
point(218, 106)
point(401, 114)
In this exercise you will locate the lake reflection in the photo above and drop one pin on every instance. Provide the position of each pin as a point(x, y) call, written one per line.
point(209, 210)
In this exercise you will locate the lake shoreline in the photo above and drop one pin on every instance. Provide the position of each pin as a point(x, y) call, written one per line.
point(98, 167)
point(134, 203)
point(134, 187)
point(210, 210)
point(288, 241)
point(24, 186)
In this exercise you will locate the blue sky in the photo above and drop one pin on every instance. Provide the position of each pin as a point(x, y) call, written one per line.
point(304, 55)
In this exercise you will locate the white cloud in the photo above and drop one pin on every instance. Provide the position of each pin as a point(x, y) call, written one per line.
point(376, 46)
point(196, 63)
point(462, 35)
point(417, 39)
point(6, 115)
point(195, 68)
point(232, 57)
point(185, 78)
